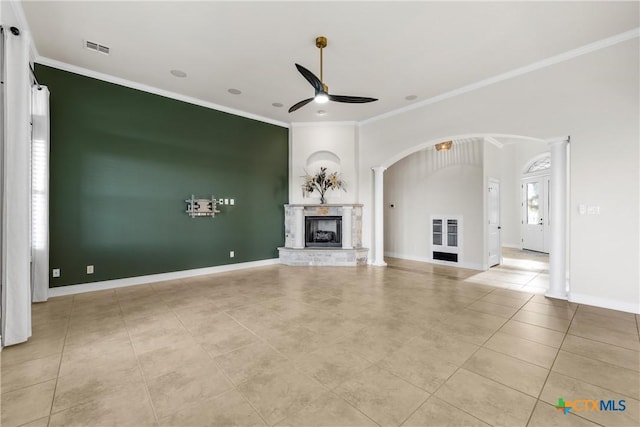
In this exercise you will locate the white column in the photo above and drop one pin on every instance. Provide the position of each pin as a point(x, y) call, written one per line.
point(378, 216)
point(298, 242)
point(558, 220)
point(347, 211)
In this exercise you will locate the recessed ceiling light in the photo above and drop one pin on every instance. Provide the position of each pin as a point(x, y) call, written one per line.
point(234, 91)
point(321, 112)
point(178, 73)
point(410, 97)
point(277, 104)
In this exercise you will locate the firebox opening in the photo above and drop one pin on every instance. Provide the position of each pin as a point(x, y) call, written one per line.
point(323, 231)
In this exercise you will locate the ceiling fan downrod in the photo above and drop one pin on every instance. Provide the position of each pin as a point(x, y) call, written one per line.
point(321, 43)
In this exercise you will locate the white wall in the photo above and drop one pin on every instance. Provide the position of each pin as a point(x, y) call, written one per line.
point(594, 98)
point(435, 183)
point(322, 142)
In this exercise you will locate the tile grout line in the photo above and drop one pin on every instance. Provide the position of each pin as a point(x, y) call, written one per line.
point(144, 380)
point(213, 359)
point(297, 370)
point(538, 400)
point(481, 346)
point(64, 343)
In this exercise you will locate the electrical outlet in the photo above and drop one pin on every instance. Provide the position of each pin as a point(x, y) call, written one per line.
point(232, 202)
point(56, 272)
point(232, 254)
point(89, 269)
point(226, 201)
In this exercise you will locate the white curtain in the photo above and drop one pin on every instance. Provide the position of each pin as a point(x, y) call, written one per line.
point(40, 193)
point(16, 223)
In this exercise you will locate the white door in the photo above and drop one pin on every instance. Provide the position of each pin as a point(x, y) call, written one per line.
point(535, 212)
point(493, 203)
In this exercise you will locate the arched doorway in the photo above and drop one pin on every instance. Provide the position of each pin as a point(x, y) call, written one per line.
point(558, 148)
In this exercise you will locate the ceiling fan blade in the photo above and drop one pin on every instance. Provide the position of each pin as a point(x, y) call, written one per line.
point(351, 99)
point(311, 78)
point(300, 104)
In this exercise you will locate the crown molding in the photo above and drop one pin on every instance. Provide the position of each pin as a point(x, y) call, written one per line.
point(151, 89)
point(556, 59)
point(323, 124)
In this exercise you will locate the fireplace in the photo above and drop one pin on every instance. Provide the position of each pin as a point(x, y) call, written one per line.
point(323, 231)
point(323, 235)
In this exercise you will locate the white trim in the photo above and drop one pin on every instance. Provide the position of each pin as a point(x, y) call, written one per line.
point(466, 265)
point(556, 59)
point(609, 303)
point(140, 280)
point(23, 26)
point(494, 141)
point(506, 245)
point(150, 89)
point(434, 141)
point(323, 124)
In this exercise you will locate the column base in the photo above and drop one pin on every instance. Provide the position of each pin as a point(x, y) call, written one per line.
point(556, 295)
point(379, 263)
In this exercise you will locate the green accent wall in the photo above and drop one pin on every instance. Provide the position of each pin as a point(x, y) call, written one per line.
point(123, 161)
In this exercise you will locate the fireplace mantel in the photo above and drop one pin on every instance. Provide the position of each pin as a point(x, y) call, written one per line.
point(295, 252)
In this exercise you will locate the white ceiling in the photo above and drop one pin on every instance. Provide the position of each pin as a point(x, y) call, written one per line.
point(386, 50)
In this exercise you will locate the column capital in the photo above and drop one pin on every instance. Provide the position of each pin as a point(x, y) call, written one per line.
point(379, 169)
point(559, 140)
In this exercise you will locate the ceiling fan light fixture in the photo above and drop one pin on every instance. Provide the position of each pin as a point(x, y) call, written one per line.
point(321, 90)
point(444, 146)
point(321, 98)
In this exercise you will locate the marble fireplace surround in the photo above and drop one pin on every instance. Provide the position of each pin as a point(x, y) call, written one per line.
point(350, 254)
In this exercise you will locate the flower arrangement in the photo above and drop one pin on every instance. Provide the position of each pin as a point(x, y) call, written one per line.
point(321, 182)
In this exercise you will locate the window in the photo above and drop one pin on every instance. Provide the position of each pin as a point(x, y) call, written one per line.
point(533, 203)
point(540, 165)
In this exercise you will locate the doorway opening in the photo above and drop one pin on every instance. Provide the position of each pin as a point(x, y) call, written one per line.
point(536, 218)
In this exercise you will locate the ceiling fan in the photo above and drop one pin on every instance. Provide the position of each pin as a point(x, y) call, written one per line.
point(322, 91)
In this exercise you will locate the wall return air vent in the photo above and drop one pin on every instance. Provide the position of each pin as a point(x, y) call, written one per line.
point(97, 47)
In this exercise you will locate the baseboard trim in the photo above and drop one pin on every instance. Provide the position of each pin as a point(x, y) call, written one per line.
point(141, 280)
point(605, 303)
point(467, 265)
point(505, 245)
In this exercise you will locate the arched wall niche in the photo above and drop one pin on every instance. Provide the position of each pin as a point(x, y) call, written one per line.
point(323, 158)
point(330, 145)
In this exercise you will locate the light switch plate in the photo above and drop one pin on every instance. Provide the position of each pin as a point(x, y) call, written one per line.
point(56, 272)
point(89, 269)
point(232, 254)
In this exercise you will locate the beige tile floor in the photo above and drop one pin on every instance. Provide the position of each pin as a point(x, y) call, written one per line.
point(412, 344)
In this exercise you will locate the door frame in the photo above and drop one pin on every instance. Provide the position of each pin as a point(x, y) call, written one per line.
point(488, 232)
point(545, 177)
point(544, 180)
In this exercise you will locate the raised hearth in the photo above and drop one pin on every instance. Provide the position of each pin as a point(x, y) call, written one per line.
point(323, 235)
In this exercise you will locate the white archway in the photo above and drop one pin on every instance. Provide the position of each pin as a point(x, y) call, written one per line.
point(559, 173)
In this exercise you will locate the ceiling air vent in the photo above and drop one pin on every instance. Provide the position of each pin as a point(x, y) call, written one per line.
point(96, 47)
